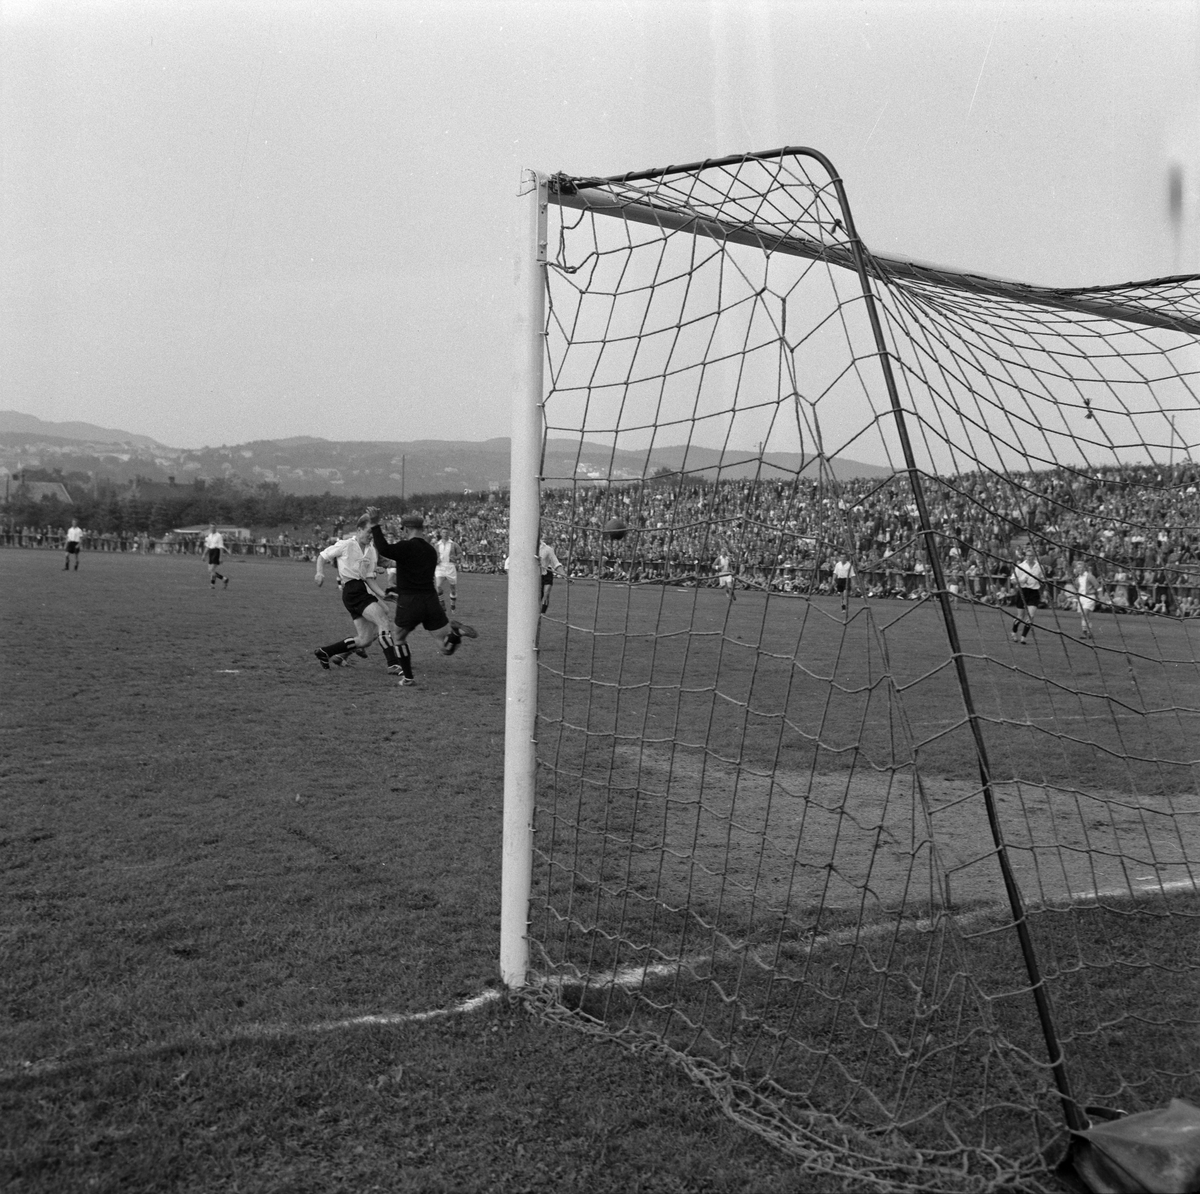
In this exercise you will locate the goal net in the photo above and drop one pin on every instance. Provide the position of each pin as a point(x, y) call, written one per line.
point(862, 772)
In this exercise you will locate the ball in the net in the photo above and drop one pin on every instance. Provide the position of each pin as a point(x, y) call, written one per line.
point(614, 528)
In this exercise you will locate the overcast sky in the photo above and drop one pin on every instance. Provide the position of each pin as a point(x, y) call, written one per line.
point(224, 221)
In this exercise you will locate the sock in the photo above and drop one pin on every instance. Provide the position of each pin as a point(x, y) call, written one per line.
point(389, 648)
point(405, 659)
point(342, 647)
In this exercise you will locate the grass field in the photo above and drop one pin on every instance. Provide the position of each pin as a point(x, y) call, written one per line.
point(251, 907)
point(769, 818)
point(244, 900)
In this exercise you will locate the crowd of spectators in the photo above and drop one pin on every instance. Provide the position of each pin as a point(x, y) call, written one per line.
point(1138, 527)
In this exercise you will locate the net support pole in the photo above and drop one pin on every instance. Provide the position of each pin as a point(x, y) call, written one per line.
point(524, 585)
point(1073, 1114)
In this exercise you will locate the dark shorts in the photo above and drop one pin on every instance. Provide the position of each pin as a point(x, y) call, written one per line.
point(356, 597)
point(419, 609)
point(72, 549)
point(840, 583)
point(214, 555)
point(1029, 598)
point(547, 579)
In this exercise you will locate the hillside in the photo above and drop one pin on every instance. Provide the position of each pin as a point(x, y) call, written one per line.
point(305, 465)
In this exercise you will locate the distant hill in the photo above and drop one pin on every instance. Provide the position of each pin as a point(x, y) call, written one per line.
point(309, 465)
point(13, 421)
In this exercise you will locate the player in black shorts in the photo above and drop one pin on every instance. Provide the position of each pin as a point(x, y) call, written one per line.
point(1027, 577)
point(417, 602)
point(361, 595)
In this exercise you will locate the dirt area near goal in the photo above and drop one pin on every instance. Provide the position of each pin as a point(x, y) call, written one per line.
point(708, 830)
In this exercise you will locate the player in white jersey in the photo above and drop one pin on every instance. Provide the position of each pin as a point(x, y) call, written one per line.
point(1087, 593)
point(214, 544)
point(725, 577)
point(74, 543)
point(445, 575)
point(550, 567)
point(843, 574)
point(357, 563)
point(1028, 577)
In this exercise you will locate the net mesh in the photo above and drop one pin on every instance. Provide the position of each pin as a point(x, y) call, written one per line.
point(887, 841)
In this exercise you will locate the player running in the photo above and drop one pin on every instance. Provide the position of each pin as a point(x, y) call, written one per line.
point(361, 595)
point(74, 543)
point(417, 602)
point(1028, 577)
point(214, 544)
point(445, 575)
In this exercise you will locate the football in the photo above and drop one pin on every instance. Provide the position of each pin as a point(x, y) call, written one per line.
point(614, 528)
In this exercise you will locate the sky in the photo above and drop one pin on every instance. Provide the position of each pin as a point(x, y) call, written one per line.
point(229, 220)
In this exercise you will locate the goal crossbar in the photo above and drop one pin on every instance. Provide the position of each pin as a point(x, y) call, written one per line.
point(591, 194)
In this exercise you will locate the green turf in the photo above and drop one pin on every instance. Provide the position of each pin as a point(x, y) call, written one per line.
point(211, 847)
point(769, 816)
point(219, 859)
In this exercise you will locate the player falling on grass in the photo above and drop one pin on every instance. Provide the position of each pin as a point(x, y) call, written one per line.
point(214, 545)
point(362, 597)
point(445, 576)
point(1027, 577)
point(549, 566)
point(1087, 593)
point(74, 543)
point(417, 602)
point(843, 574)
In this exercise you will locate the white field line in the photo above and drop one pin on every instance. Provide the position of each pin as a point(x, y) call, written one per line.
point(627, 977)
point(253, 1032)
point(467, 1005)
point(630, 977)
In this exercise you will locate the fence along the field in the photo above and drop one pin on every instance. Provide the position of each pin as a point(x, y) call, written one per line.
point(778, 815)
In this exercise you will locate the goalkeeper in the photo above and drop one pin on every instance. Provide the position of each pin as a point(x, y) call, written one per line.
point(417, 601)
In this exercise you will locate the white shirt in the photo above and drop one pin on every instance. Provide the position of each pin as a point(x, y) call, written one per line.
point(843, 570)
point(75, 535)
point(354, 562)
point(215, 541)
point(547, 559)
point(1028, 576)
point(446, 549)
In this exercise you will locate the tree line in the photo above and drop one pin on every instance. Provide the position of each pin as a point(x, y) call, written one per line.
point(105, 507)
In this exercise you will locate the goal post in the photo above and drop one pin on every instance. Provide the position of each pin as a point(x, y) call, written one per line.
point(520, 692)
point(901, 867)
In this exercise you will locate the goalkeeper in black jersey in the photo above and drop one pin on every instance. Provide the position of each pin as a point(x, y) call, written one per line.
point(417, 602)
